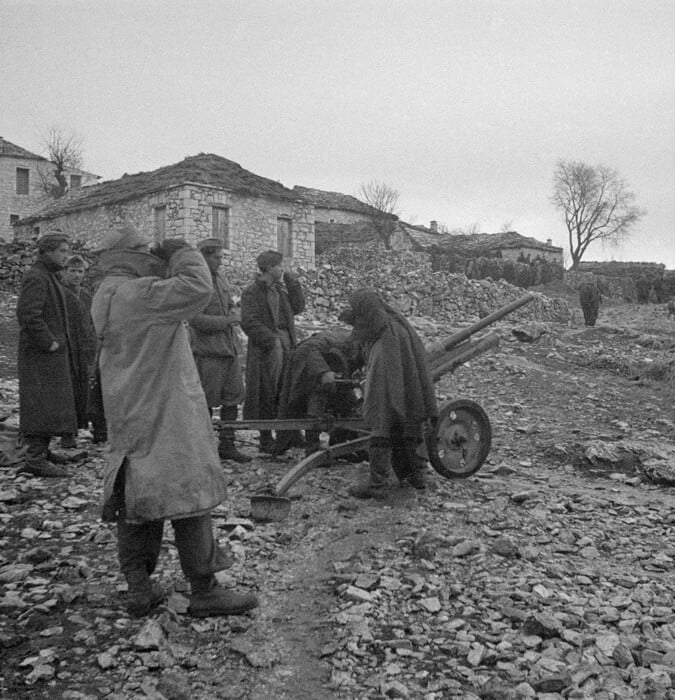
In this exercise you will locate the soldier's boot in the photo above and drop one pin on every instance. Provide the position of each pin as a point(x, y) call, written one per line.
point(68, 442)
point(400, 461)
point(36, 461)
point(375, 485)
point(312, 441)
point(417, 476)
point(287, 439)
point(226, 447)
point(267, 442)
point(210, 599)
point(143, 594)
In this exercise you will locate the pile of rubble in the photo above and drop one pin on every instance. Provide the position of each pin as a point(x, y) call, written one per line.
point(407, 282)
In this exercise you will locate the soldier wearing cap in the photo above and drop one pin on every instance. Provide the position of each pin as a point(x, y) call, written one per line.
point(46, 397)
point(216, 350)
point(163, 463)
point(83, 346)
point(268, 308)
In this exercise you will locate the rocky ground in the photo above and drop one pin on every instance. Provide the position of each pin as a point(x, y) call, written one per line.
point(548, 574)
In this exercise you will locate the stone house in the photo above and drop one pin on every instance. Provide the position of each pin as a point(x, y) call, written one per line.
point(22, 178)
point(203, 196)
point(334, 207)
point(509, 245)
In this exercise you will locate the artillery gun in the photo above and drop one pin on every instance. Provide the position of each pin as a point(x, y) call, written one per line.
point(457, 443)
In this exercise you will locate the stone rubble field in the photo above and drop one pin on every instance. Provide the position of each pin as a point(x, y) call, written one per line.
point(548, 574)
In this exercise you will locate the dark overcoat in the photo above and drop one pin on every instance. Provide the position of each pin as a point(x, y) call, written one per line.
point(327, 351)
point(398, 391)
point(82, 347)
point(259, 324)
point(46, 398)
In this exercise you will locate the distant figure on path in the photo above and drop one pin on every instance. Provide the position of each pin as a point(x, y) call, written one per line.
point(590, 298)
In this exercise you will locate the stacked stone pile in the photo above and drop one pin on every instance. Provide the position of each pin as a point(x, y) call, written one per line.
point(407, 282)
point(405, 279)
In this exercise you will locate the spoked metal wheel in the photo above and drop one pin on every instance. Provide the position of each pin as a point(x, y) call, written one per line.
point(459, 443)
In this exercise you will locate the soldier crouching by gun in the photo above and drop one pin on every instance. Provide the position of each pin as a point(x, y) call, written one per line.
point(312, 385)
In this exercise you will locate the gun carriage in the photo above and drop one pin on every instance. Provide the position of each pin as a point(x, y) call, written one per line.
point(457, 443)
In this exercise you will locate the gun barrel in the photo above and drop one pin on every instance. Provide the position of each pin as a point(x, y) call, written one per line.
point(450, 360)
point(441, 346)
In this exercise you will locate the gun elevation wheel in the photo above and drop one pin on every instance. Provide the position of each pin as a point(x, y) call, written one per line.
point(459, 443)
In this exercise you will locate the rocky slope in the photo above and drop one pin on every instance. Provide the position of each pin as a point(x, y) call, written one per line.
point(548, 574)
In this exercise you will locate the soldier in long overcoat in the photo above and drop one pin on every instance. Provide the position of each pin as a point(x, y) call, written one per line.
point(268, 308)
point(163, 462)
point(398, 392)
point(46, 398)
point(82, 343)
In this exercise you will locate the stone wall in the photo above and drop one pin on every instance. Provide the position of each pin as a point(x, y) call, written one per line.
point(22, 205)
point(12, 203)
point(552, 256)
point(405, 279)
point(339, 216)
point(188, 213)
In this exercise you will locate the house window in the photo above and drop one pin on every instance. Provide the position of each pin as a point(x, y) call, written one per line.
point(75, 181)
point(220, 225)
point(13, 218)
point(22, 181)
point(160, 223)
point(284, 237)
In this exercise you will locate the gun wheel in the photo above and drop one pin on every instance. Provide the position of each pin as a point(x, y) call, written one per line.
point(460, 441)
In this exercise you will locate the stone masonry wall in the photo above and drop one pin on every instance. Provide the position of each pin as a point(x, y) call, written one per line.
point(339, 216)
point(12, 203)
point(405, 279)
point(188, 214)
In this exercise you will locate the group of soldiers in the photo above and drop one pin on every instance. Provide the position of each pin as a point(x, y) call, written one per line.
point(162, 328)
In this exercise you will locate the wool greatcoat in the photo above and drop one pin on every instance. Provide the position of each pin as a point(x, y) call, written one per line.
point(82, 346)
point(261, 325)
point(46, 399)
point(159, 426)
point(398, 392)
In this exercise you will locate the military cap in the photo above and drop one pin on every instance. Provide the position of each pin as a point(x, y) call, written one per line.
point(76, 261)
point(53, 236)
point(268, 259)
point(210, 243)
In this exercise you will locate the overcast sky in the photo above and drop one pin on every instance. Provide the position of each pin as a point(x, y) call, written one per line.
point(462, 105)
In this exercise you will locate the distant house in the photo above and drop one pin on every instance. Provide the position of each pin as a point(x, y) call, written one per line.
point(334, 207)
point(22, 178)
point(508, 246)
point(203, 196)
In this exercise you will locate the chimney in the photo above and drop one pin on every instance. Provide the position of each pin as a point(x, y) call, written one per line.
point(549, 241)
point(433, 225)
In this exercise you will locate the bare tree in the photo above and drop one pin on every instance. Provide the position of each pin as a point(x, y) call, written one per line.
point(383, 199)
point(65, 150)
point(506, 227)
point(596, 203)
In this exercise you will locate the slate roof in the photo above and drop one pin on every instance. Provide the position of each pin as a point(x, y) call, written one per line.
point(205, 169)
point(477, 243)
point(332, 200)
point(11, 150)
